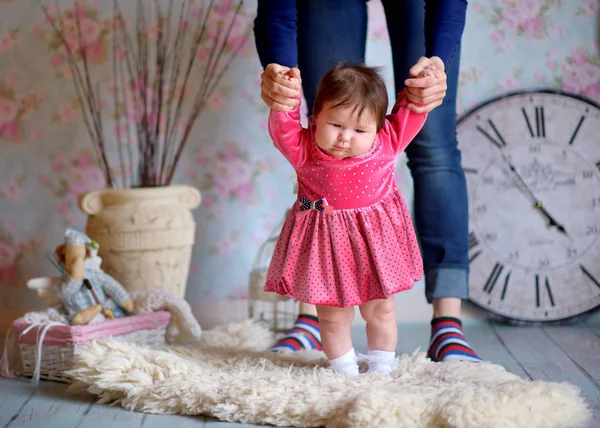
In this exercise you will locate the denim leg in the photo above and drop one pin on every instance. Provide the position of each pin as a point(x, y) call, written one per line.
point(329, 32)
point(440, 190)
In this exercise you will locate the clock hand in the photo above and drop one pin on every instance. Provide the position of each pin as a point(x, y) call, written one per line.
point(536, 202)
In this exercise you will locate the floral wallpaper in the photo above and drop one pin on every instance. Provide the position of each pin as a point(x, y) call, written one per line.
point(47, 160)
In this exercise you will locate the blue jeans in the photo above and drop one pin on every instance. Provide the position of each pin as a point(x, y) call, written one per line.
point(330, 31)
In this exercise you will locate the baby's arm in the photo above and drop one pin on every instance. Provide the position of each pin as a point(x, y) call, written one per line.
point(287, 133)
point(402, 125)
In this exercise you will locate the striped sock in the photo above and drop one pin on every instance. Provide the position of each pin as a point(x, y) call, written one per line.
point(448, 341)
point(306, 334)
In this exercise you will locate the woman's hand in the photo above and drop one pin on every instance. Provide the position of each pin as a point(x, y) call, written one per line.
point(426, 85)
point(280, 87)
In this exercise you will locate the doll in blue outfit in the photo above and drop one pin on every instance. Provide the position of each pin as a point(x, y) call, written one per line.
point(85, 289)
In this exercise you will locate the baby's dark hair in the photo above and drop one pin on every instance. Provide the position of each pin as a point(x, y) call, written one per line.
point(354, 85)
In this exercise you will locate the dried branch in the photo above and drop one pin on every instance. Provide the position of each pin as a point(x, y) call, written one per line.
point(151, 80)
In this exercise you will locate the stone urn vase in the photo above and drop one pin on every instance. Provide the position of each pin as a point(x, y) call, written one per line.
point(145, 234)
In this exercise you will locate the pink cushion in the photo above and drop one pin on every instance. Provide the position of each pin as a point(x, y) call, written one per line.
point(74, 334)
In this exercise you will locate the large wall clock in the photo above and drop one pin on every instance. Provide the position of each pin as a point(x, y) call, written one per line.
point(532, 162)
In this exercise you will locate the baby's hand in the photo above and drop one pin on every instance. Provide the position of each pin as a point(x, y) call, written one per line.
point(293, 76)
point(430, 71)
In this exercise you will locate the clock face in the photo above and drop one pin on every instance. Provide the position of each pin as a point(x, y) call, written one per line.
point(532, 163)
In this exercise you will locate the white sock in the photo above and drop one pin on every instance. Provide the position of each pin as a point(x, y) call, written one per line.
point(381, 362)
point(346, 364)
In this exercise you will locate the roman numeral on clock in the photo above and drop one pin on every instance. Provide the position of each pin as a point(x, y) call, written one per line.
point(473, 243)
point(493, 279)
point(589, 275)
point(598, 165)
point(538, 291)
point(540, 124)
point(498, 141)
point(576, 130)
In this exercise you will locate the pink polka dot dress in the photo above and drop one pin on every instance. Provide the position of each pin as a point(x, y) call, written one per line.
point(349, 238)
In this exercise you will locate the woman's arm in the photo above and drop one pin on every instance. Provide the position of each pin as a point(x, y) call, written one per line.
point(275, 32)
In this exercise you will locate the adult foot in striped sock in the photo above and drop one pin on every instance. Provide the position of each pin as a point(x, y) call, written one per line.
point(306, 334)
point(448, 341)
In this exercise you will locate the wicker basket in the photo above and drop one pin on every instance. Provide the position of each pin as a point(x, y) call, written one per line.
point(61, 341)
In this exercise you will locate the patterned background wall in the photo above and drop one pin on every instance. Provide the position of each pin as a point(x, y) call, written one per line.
point(46, 158)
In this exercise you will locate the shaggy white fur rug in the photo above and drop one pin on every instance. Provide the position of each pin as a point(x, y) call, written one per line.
point(227, 377)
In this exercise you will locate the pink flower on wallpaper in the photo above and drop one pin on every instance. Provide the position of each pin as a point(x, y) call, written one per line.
point(219, 23)
point(94, 50)
point(209, 200)
point(10, 130)
point(559, 30)
point(497, 36)
point(230, 175)
point(7, 43)
point(532, 27)
point(244, 192)
point(12, 190)
point(67, 113)
point(8, 111)
point(593, 91)
point(90, 32)
point(229, 153)
point(7, 256)
point(590, 8)
point(11, 79)
point(226, 245)
point(578, 58)
point(64, 207)
point(507, 46)
point(224, 7)
point(152, 31)
point(217, 101)
point(57, 60)
point(81, 180)
point(239, 42)
point(520, 13)
point(203, 54)
point(510, 82)
point(36, 134)
point(579, 74)
point(38, 31)
point(201, 160)
point(84, 159)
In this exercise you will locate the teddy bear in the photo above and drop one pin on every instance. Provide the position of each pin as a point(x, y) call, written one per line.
point(84, 288)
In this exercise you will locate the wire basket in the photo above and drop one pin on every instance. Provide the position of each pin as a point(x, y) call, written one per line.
point(278, 311)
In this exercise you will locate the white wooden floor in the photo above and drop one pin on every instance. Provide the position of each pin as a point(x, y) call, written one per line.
point(570, 353)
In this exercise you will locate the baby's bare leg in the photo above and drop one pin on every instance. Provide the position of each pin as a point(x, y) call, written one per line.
point(382, 334)
point(335, 329)
point(382, 329)
point(335, 335)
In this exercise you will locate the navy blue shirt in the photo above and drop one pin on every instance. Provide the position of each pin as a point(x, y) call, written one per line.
point(275, 30)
